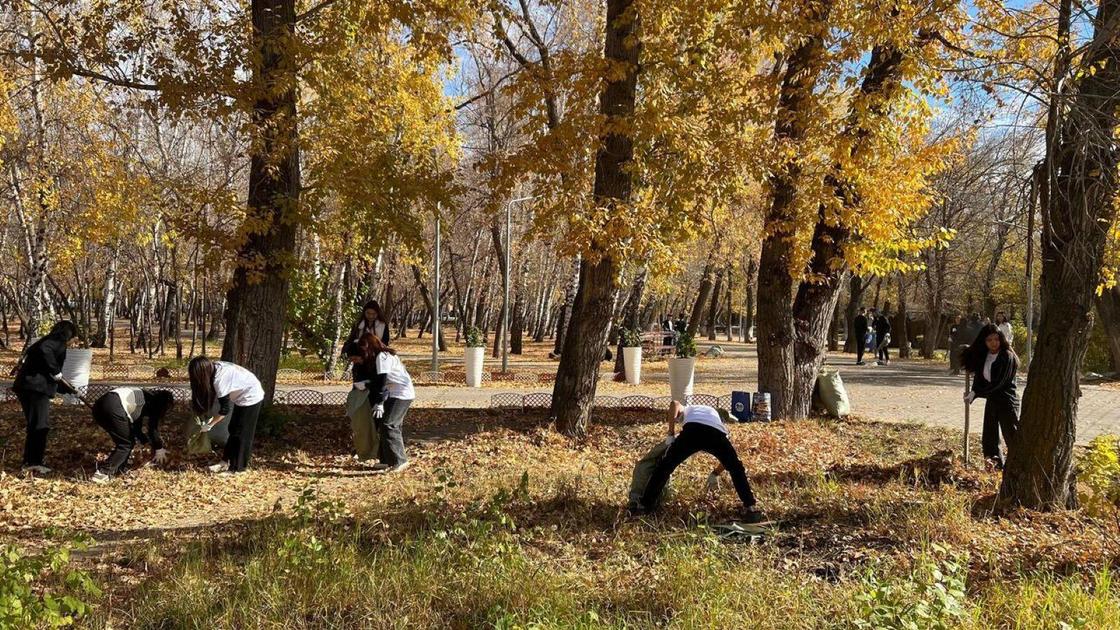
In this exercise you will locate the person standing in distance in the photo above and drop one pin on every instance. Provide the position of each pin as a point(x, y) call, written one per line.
point(859, 330)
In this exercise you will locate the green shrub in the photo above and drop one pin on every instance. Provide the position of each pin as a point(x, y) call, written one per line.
point(931, 596)
point(42, 590)
point(1100, 470)
point(473, 338)
point(686, 346)
point(631, 338)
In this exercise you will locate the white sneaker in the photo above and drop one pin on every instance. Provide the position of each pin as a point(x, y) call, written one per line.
point(100, 477)
point(399, 467)
point(37, 469)
point(219, 467)
point(380, 466)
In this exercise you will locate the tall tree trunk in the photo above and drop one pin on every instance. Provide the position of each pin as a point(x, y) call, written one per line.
point(258, 296)
point(751, 289)
point(856, 287)
point(517, 320)
point(704, 293)
point(901, 327)
point(775, 270)
point(714, 306)
point(108, 301)
point(1108, 309)
point(334, 351)
point(631, 311)
point(578, 373)
point(570, 291)
point(1078, 208)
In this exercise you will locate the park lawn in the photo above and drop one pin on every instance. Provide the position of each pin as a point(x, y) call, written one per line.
point(501, 522)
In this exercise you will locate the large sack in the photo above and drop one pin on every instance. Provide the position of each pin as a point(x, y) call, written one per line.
point(833, 396)
point(358, 409)
point(201, 442)
point(643, 470)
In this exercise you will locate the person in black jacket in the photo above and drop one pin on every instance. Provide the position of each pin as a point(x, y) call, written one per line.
point(123, 413)
point(859, 330)
point(993, 364)
point(882, 325)
point(38, 379)
point(372, 321)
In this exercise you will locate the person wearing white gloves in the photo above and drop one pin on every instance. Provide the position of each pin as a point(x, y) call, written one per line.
point(378, 369)
point(993, 365)
point(703, 428)
point(236, 391)
point(124, 413)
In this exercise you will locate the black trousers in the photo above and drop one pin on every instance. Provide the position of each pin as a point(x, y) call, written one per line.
point(37, 412)
point(1000, 415)
point(861, 343)
point(242, 428)
point(109, 414)
point(693, 438)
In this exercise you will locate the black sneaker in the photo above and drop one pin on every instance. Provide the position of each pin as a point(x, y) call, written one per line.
point(753, 516)
point(860, 363)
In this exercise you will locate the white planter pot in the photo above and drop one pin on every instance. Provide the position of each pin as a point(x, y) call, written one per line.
point(632, 363)
point(76, 368)
point(472, 359)
point(680, 378)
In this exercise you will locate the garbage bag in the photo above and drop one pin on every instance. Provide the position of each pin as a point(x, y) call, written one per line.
point(643, 471)
point(360, 412)
point(833, 396)
point(201, 442)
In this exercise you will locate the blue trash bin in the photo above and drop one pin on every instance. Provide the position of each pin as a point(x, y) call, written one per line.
point(741, 406)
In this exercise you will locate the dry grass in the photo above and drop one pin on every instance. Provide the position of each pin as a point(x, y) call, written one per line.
point(502, 522)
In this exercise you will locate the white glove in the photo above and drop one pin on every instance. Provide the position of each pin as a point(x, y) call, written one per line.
point(206, 426)
point(969, 397)
point(160, 456)
point(378, 410)
point(360, 385)
point(712, 485)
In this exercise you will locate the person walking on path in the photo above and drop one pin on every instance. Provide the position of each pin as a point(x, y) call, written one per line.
point(390, 395)
point(123, 413)
point(859, 330)
point(993, 365)
point(702, 429)
point(1004, 327)
point(235, 390)
point(38, 379)
point(882, 326)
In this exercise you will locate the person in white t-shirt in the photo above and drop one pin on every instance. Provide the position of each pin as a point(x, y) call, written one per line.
point(234, 389)
point(378, 369)
point(702, 429)
point(124, 413)
point(1004, 327)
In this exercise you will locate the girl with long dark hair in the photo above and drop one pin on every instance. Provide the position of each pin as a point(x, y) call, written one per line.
point(993, 365)
point(232, 388)
point(372, 322)
point(38, 379)
point(124, 413)
point(378, 369)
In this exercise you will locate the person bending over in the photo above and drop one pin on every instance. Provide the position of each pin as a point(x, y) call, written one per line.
point(702, 429)
point(123, 413)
